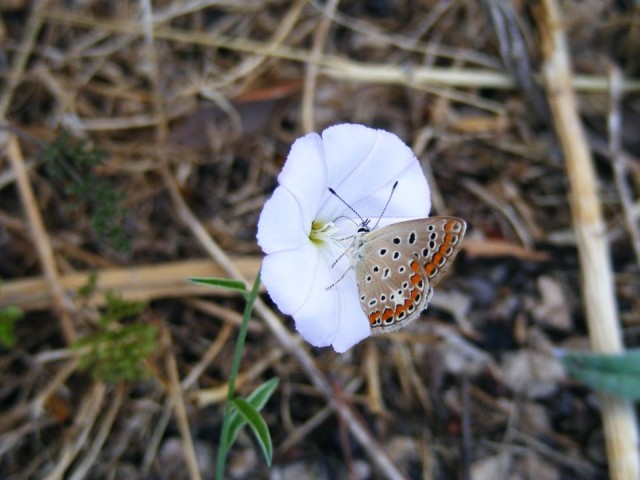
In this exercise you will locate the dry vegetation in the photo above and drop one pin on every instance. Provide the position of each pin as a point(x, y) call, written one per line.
point(196, 104)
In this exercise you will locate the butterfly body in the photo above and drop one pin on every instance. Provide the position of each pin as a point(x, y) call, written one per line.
point(397, 266)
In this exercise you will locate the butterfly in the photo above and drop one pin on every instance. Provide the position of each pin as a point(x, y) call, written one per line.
point(397, 266)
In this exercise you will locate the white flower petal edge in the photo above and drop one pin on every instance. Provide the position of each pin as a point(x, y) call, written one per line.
point(281, 226)
point(364, 164)
point(304, 230)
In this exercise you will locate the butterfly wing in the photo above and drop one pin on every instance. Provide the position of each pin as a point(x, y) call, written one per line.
point(397, 267)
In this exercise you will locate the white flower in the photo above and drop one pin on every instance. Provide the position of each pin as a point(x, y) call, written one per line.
point(303, 228)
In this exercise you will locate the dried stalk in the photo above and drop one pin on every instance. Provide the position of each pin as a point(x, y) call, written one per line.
point(332, 66)
point(179, 407)
point(597, 279)
point(311, 76)
point(620, 168)
point(140, 283)
point(40, 237)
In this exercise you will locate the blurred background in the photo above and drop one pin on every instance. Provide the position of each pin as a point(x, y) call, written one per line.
point(140, 141)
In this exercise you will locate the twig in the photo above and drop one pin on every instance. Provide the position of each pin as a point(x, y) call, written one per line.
point(597, 279)
point(177, 400)
point(333, 66)
point(251, 64)
point(81, 471)
point(465, 434)
point(40, 237)
point(614, 124)
point(294, 438)
point(503, 207)
point(151, 452)
point(140, 283)
point(208, 396)
point(31, 31)
point(83, 422)
point(311, 76)
point(209, 356)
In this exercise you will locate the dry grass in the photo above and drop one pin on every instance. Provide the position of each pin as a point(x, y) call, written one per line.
point(196, 104)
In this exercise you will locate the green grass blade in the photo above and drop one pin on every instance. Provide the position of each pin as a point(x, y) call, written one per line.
point(258, 399)
point(615, 374)
point(258, 426)
point(227, 283)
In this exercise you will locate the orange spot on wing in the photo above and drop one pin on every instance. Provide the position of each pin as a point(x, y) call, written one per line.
point(415, 266)
point(448, 238)
point(387, 314)
point(374, 318)
point(415, 279)
point(430, 267)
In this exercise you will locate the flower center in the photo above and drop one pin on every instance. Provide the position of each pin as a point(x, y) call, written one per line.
point(322, 232)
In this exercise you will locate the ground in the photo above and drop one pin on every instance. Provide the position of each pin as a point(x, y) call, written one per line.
point(139, 143)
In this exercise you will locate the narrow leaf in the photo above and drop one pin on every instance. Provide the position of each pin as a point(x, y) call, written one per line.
point(258, 399)
point(615, 374)
point(258, 426)
point(227, 283)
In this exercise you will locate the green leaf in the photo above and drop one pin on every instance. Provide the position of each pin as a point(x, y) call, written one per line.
point(227, 283)
point(615, 374)
point(8, 318)
point(258, 399)
point(258, 426)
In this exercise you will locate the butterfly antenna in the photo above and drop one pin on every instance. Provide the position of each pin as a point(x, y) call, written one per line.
point(393, 189)
point(349, 206)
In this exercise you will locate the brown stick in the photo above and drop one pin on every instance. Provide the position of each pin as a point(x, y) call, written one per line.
point(62, 304)
point(144, 282)
point(597, 278)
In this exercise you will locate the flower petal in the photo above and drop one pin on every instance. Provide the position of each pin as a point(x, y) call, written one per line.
point(363, 165)
point(353, 325)
point(289, 276)
point(304, 175)
point(281, 226)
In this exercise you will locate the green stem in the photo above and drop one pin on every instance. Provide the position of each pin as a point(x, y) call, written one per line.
point(242, 334)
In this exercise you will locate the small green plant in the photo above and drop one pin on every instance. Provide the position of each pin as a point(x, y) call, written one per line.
point(72, 161)
point(615, 374)
point(90, 287)
point(118, 350)
point(9, 315)
point(239, 411)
